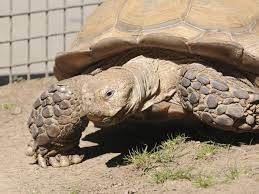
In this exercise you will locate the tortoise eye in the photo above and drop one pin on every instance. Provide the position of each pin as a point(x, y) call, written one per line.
point(109, 93)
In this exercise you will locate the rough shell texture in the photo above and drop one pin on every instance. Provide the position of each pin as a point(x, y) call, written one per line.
point(226, 30)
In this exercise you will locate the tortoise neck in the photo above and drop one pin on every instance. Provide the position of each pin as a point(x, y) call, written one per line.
point(145, 73)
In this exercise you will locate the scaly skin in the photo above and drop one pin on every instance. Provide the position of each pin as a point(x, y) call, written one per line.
point(220, 101)
point(56, 124)
point(142, 85)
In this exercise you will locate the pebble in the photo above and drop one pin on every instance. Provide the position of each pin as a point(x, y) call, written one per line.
point(57, 111)
point(186, 82)
point(203, 79)
point(212, 101)
point(181, 88)
point(47, 112)
point(250, 119)
point(228, 101)
point(42, 139)
point(241, 94)
point(194, 98)
point(53, 130)
point(224, 120)
point(221, 109)
point(53, 88)
point(190, 75)
point(34, 131)
point(196, 85)
point(204, 90)
point(37, 103)
point(206, 117)
point(44, 95)
point(57, 97)
point(39, 121)
point(245, 127)
point(235, 110)
point(64, 104)
point(219, 85)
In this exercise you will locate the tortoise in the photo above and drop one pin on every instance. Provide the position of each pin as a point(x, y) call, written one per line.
point(151, 60)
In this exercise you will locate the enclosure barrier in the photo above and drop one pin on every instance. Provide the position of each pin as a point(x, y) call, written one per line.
point(81, 5)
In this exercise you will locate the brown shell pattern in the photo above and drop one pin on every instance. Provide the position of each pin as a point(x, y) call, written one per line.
point(226, 30)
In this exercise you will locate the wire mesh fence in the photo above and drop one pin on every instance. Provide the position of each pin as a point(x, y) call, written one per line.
point(32, 32)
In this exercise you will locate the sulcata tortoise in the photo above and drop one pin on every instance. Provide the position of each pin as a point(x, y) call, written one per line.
point(151, 60)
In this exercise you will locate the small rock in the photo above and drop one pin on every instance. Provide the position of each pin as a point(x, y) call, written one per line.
point(181, 89)
point(57, 97)
point(201, 107)
point(34, 131)
point(212, 101)
point(206, 117)
point(190, 75)
point(253, 107)
point(53, 130)
point(47, 112)
point(204, 90)
point(224, 120)
point(245, 127)
point(203, 79)
point(219, 85)
point(53, 88)
point(64, 104)
point(221, 109)
point(235, 110)
point(57, 111)
point(44, 95)
point(37, 103)
point(225, 95)
point(236, 100)
point(194, 98)
point(42, 139)
point(39, 121)
point(228, 101)
point(64, 120)
point(250, 119)
point(243, 102)
point(241, 94)
point(186, 82)
point(196, 85)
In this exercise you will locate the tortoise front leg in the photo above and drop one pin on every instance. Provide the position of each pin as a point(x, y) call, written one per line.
point(56, 124)
point(226, 102)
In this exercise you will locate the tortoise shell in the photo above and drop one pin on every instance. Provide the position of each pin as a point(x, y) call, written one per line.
point(224, 30)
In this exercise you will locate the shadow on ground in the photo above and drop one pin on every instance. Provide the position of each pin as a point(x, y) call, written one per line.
point(127, 136)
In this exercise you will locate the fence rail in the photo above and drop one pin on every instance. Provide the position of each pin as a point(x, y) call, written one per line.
point(28, 38)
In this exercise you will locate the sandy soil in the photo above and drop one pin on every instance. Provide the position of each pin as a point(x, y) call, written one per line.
point(104, 171)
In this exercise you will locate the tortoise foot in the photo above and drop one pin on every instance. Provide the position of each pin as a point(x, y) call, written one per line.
point(56, 126)
point(44, 157)
point(219, 101)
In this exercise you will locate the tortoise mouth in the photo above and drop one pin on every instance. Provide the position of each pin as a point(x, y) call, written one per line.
point(105, 121)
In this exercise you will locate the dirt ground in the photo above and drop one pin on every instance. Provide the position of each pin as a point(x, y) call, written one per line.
point(104, 170)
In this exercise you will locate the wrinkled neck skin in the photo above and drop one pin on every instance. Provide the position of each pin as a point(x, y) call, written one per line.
point(155, 81)
point(146, 79)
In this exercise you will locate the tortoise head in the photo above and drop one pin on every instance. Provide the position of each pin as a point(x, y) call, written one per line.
point(110, 96)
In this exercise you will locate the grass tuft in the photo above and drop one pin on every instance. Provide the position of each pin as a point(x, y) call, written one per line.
point(7, 106)
point(203, 181)
point(232, 173)
point(172, 142)
point(167, 174)
point(209, 148)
